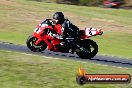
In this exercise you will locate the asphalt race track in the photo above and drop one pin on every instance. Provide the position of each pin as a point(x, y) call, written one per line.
point(107, 60)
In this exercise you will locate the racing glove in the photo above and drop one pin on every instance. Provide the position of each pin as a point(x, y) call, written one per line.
point(55, 35)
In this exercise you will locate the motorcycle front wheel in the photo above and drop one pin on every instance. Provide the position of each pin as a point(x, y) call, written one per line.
point(89, 49)
point(35, 48)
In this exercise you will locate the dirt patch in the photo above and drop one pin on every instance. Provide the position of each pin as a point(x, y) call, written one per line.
point(104, 24)
point(76, 20)
point(7, 2)
point(80, 21)
point(102, 20)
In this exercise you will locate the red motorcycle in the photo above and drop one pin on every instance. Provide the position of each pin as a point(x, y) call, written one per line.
point(47, 36)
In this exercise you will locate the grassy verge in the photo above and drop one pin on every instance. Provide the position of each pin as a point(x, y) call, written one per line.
point(26, 71)
point(116, 44)
point(18, 19)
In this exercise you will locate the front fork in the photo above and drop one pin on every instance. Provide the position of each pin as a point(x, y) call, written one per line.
point(38, 41)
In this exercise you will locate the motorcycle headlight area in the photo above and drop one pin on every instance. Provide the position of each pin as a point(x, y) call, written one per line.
point(37, 30)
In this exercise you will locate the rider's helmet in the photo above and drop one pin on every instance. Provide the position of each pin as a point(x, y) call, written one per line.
point(58, 16)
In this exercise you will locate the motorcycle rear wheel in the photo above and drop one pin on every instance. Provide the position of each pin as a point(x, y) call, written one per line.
point(35, 48)
point(90, 46)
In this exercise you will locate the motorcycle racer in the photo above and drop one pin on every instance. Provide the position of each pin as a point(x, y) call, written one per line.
point(60, 35)
point(68, 30)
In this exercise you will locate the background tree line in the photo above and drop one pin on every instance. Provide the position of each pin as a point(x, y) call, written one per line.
point(83, 2)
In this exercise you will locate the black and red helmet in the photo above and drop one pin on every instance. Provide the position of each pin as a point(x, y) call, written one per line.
point(58, 16)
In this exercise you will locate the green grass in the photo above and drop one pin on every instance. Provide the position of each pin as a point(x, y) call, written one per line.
point(13, 37)
point(19, 70)
point(115, 44)
point(18, 19)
